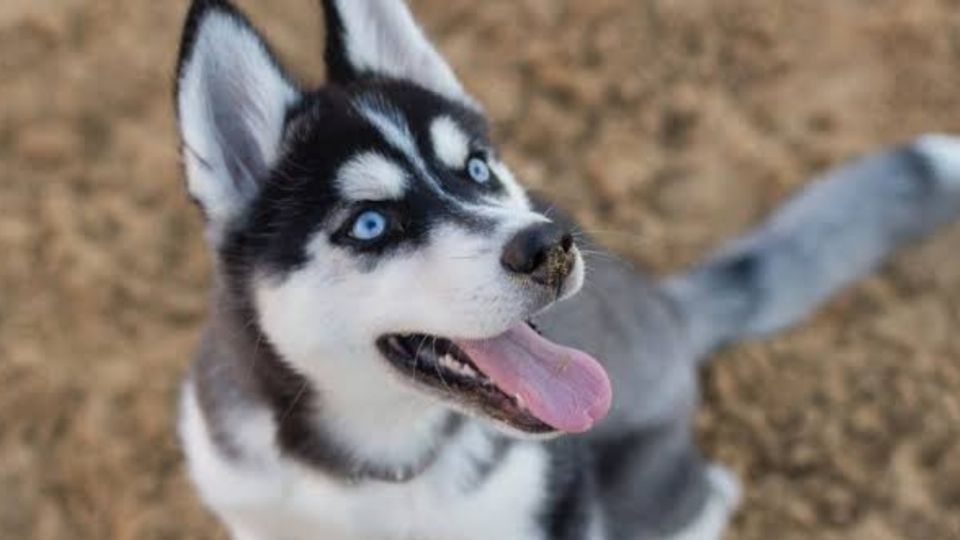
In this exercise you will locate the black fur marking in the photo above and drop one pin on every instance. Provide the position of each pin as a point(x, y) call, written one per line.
point(294, 407)
point(567, 512)
point(294, 402)
point(485, 468)
point(739, 270)
point(921, 167)
point(339, 68)
point(741, 279)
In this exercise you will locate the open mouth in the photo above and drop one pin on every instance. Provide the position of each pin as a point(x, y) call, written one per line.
point(518, 378)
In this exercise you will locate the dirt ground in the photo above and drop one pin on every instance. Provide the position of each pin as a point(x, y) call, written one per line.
point(665, 125)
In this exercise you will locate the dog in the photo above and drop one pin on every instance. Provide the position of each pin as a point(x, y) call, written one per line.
point(396, 347)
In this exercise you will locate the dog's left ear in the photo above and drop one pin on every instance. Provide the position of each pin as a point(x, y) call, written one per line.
point(381, 38)
point(232, 101)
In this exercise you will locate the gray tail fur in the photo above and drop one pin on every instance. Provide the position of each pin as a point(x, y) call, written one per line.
point(832, 233)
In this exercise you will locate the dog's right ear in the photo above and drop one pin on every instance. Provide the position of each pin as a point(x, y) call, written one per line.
point(381, 38)
point(232, 99)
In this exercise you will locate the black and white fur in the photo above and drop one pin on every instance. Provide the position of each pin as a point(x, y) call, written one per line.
point(294, 425)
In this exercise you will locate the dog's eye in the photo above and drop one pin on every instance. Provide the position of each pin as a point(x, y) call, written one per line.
point(369, 225)
point(478, 170)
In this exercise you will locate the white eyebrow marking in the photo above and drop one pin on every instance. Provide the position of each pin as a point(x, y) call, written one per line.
point(392, 126)
point(450, 143)
point(371, 176)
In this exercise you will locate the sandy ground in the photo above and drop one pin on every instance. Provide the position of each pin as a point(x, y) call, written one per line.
point(666, 125)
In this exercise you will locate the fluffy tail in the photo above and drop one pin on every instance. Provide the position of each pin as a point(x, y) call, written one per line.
point(827, 236)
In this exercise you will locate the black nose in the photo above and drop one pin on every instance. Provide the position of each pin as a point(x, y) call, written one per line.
point(544, 252)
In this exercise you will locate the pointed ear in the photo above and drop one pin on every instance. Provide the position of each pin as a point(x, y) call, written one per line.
point(381, 37)
point(232, 100)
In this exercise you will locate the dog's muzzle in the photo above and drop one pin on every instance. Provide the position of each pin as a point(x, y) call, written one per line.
point(542, 253)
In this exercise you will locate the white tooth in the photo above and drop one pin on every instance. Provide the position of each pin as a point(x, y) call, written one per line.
point(519, 400)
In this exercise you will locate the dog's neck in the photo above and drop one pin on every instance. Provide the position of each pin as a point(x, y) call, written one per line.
point(345, 424)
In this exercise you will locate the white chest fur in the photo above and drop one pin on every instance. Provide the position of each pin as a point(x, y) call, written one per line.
point(272, 498)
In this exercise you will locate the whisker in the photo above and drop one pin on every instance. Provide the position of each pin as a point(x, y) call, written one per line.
point(416, 357)
point(588, 253)
point(600, 233)
point(293, 404)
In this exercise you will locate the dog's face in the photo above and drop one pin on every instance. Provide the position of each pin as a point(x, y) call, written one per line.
point(379, 236)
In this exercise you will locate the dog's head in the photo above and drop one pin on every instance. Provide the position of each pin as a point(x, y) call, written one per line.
point(372, 224)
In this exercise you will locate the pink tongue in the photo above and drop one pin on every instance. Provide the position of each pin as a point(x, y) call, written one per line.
point(563, 387)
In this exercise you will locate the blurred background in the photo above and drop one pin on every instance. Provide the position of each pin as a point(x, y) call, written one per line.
point(665, 125)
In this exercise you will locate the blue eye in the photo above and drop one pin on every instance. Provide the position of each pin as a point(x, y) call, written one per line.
point(478, 170)
point(369, 225)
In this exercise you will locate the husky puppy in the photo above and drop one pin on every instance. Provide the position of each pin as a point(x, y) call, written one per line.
point(396, 345)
